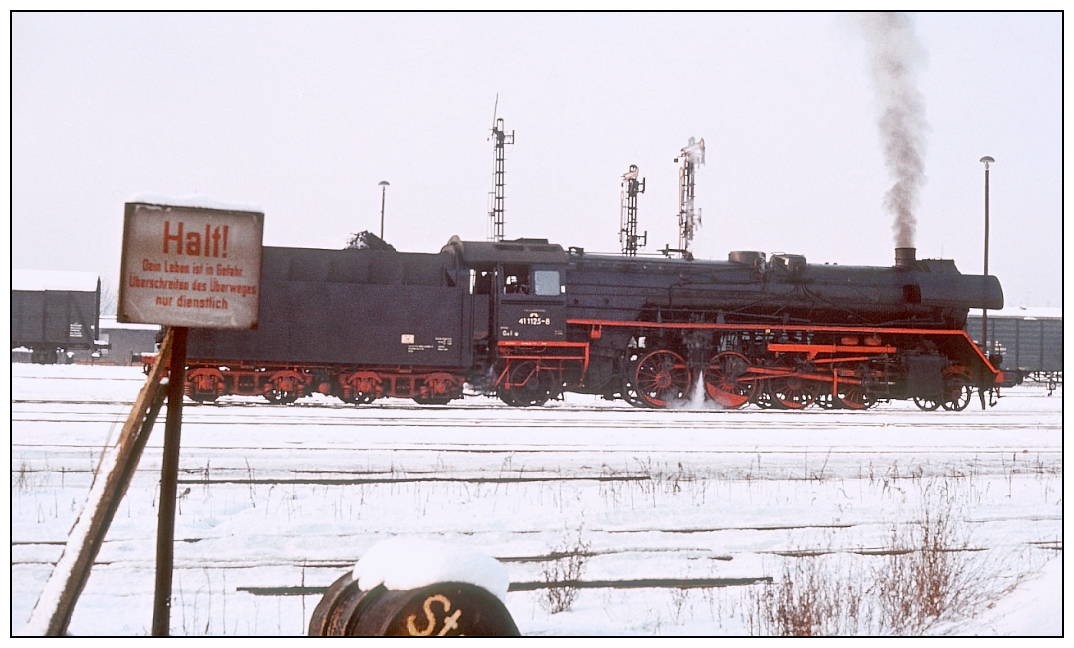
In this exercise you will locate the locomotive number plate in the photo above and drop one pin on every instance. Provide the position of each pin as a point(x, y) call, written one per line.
point(535, 319)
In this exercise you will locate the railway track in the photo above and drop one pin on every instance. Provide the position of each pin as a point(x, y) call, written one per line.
point(276, 502)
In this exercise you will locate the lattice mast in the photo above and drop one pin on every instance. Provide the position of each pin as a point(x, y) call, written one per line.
point(628, 213)
point(500, 139)
point(691, 157)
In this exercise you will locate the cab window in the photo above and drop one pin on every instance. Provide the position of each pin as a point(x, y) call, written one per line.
point(481, 282)
point(516, 280)
point(546, 283)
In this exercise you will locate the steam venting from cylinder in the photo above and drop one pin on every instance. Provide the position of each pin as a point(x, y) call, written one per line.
point(895, 57)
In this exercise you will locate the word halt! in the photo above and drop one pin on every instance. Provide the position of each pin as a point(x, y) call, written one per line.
point(214, 244)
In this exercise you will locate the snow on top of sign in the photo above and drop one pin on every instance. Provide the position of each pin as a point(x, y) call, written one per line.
point(410, 563)
point(194, 200)
point(53, 280)
point(1037, 312)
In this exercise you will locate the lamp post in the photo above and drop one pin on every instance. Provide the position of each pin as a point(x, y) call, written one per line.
point(384, 188)
point(984, 312)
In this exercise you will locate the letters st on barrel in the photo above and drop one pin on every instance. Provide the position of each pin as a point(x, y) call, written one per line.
point(190, 266)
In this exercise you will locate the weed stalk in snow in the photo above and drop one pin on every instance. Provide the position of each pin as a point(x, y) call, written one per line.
point(563, 572)
point(925, 578)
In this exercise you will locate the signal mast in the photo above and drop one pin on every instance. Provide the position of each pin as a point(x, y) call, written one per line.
point(692, 156)
point(628, 213)
point(496, 212)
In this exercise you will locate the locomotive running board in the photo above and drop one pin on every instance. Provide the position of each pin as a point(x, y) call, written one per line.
point(959, 335)
point(816, 349)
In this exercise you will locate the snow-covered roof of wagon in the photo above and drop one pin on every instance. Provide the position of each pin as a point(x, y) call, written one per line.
point(110, 323)
point(36, 280)
point(1035, 312)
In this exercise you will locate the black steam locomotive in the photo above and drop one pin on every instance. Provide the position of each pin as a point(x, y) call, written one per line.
point(527, 320)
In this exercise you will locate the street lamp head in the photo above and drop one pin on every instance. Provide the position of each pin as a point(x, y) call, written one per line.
point(987, 160)
point(383, 184)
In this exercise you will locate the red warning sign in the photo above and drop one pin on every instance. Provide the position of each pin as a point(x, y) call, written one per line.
point(190, 266)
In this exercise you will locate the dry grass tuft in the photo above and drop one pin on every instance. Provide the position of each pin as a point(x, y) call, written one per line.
point(924, 578)
point(928, 577)
point(563, 571)
point(807, 601)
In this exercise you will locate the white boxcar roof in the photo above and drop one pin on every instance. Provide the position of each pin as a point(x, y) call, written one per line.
point(36, 280)
point(110, 324)
point(1022, 312)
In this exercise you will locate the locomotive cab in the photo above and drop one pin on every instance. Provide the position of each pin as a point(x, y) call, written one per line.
point(524, 283)
point(530, 303)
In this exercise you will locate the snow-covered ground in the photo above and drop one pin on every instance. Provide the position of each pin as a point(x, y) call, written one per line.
point(675, 513)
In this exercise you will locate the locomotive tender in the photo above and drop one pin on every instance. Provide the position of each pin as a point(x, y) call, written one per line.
point(527, 320)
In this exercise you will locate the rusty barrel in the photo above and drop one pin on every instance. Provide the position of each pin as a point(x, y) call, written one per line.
point(440, 610)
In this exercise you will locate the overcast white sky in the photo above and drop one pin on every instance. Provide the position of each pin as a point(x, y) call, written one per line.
point(303, 114)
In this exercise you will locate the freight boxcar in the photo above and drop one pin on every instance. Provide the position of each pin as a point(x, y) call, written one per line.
point(53, 312)
point(1026, 342)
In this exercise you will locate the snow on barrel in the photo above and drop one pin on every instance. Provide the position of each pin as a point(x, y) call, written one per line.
point(414, 587)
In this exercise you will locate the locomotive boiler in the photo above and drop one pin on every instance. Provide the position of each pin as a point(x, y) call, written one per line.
point(526, 320)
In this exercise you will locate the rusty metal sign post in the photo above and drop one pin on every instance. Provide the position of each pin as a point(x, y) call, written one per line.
point(169, 477)
point(184, 265)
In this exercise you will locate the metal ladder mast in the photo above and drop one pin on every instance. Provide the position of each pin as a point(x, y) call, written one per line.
point(496, 214)
point(628, 213)
point(692, 156)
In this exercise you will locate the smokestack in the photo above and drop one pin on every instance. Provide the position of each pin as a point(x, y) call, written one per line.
point(905, 257)
point(896, 56)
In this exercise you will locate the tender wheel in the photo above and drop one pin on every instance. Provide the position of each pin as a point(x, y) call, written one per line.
point(439, 389)
point(359, 398)
point(795, 392)
point(281, 397)
point(726, 380)
point(661, 377)
point(358, 388)
point(530, 387)
point(927, 403)
point(204, 385)
point(855, 397)
point(283, 388)
point(438, 400)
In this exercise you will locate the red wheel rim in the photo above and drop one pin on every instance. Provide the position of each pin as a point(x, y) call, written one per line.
point(661, 377)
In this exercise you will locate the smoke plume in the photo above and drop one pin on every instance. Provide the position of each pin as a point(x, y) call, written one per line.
point(896, 56)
